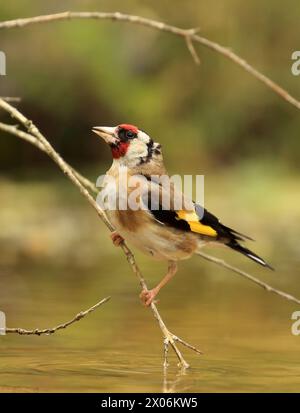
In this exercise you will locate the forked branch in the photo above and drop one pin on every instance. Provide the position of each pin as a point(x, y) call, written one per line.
point(189, 35)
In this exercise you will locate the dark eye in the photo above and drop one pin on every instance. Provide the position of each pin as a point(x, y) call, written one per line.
point(129, 134)
point(126, 134)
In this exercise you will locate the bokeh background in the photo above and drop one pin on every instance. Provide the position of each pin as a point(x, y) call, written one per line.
point(56, 257)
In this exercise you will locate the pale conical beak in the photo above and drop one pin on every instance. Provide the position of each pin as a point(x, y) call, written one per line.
point(107, 133)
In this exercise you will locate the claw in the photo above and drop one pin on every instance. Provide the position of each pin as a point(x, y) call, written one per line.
point(116, 239)
point(147, 296)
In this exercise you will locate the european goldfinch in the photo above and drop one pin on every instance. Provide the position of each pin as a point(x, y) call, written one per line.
point(169, 234)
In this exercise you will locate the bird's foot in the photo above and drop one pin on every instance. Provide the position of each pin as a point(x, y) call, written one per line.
point(116, 238)
point(147, 296)
point(171, 339)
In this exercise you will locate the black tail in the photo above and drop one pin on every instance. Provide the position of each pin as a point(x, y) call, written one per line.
point(245, 251)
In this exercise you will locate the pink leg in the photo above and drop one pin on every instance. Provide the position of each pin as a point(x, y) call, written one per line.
point(147, 296)
point(116, 238)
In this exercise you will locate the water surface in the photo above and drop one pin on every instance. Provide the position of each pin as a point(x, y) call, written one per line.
point(56, 259)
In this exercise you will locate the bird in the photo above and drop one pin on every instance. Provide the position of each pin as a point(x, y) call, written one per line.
point(169, 233)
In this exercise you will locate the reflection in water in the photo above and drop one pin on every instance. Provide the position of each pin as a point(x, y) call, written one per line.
point(171, 382)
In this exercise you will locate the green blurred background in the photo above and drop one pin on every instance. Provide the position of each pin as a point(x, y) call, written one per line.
point(216, 120)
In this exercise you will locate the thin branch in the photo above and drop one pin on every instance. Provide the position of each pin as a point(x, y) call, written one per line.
point(185, 33)
point(249, 277)
point(14, 130)
point(11, 99)
point(53, 330)
point(192, 50)
point(33, 131)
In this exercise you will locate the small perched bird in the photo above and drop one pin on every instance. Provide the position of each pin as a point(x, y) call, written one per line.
point(171, 233)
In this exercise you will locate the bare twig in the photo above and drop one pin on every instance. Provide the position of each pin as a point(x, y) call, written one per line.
point(192, 50)
point(53, 330)
point(11, 99)
point(14, 130)
point(249, 277)
point(33, 132)
point(188, 34)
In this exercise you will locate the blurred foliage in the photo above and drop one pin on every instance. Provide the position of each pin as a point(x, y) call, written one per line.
point(73, 75)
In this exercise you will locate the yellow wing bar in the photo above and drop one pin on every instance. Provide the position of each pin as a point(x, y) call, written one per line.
point(193, 220)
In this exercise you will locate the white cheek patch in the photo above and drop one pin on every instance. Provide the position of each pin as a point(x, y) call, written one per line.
point(137, 149)
point(143, 137)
